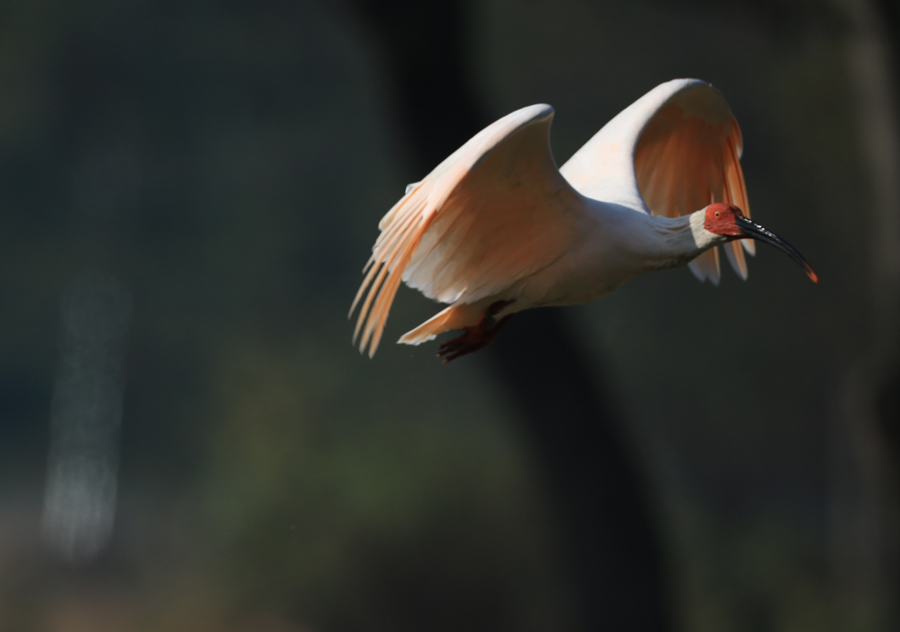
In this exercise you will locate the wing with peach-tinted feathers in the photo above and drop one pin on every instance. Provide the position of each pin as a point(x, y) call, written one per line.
point(492, 213)
point(687, 157)
point(680, 146)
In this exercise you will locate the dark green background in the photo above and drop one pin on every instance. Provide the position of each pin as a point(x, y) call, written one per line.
point(229, 162)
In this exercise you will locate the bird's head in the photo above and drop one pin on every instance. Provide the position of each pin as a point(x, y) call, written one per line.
point(722, 219)
point(730, 222)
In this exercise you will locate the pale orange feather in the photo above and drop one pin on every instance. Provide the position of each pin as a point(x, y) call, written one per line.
point(486, 217)
point(688, 156)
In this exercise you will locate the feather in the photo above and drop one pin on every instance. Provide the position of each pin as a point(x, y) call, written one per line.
point(487, 216)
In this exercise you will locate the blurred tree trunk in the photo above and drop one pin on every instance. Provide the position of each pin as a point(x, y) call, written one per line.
point(866, 504)
point(615, 554)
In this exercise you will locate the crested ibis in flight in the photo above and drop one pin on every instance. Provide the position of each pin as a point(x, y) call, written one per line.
point(497, 228)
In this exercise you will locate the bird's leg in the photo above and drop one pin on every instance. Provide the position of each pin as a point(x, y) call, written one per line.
point(476, 336)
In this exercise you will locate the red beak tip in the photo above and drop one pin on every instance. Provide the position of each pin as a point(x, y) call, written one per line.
point(813, 276)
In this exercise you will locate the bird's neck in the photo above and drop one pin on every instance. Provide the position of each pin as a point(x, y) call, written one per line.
point(676, 241)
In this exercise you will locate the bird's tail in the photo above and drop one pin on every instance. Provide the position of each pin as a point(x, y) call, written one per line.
point(454, 317)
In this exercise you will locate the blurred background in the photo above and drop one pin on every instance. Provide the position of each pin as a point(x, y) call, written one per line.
point(189, 442)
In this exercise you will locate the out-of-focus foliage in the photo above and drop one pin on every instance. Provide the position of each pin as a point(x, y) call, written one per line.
point(734, 390)
point(228, 163)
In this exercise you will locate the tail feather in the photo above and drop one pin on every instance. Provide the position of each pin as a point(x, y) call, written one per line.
point(454, 317)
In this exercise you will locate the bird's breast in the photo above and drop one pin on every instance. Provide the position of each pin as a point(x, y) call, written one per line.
point(588, 271)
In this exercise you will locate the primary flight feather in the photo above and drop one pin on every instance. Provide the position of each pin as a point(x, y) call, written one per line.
point(497, 228)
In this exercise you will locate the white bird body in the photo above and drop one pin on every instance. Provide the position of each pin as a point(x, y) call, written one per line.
point(610, 245)
point(496, 228)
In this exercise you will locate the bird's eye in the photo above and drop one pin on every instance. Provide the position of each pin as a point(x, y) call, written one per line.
point(717, 213)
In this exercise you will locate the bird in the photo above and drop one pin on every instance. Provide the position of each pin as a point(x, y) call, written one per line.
point(497, 228)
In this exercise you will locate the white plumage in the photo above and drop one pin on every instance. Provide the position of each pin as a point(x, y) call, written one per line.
point(497, 228)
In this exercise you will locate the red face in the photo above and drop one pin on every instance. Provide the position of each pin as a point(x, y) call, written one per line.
point(729, 221)
point(720, 219)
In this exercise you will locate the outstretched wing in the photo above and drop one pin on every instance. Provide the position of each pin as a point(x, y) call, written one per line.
point(679, 146)
point(489, 215)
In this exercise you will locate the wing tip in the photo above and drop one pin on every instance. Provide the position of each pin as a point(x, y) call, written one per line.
point(533, 113)
point(706, 266)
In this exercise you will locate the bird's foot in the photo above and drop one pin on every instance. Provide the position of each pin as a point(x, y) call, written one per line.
point(476, 336)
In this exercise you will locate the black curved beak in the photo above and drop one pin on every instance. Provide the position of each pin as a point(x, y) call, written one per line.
point(754, 231)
